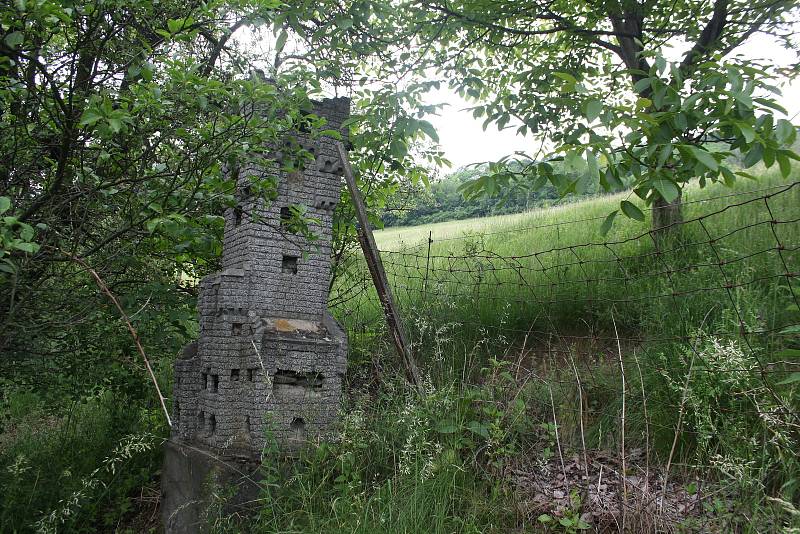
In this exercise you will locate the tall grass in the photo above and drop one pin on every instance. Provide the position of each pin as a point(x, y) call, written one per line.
point(700, 372)
point(514, 320)
point(538, 270)
point(74, 473)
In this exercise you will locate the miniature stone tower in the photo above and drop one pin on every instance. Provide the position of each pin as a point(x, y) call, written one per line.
point(269, 362)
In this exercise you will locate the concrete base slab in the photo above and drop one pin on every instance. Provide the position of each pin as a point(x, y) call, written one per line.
point(192, 481)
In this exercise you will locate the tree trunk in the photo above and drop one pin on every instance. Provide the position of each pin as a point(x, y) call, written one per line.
point(667, 216)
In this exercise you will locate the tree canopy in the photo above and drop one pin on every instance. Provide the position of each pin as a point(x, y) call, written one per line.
point(117, 121)
point(650, 90)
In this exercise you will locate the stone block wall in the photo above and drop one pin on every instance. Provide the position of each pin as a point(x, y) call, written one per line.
point(270, 359)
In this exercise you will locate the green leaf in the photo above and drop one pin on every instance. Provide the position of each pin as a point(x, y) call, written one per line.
point(478, 428)
point(784, 164)
point(747, 131)
point(641, 85)
point(446, 426)
point(785, 132)
point(743, 99)
point(90, 117)
point(5, 204)
point(793, 378)
point(769, 157)
point(593, 109)
point(14, 39)
point(747, 175)
point(503, 120)
point(680, 121)
point(115, 124)
point(175, 25)
point(592, 165)
point(569, 78)
point(631, 211)
point(281, 42)
point(26, 233)
point(574, 162)
point(429, 130)
point(7, 266)
point(544, 519)
point(397, 148)
point(336, 134)
point(26, 247)
point(608, 222)
point(609, 180)
point(704, 157)
point(728, 176)
point(666, 188)
point(344, 23)
point(569, 81)
point(753, 156)
point(147, 74)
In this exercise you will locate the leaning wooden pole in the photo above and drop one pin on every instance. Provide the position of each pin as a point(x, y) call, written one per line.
point(379, 278)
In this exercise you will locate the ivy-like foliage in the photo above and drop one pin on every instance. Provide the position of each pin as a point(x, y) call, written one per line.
point(118, 120)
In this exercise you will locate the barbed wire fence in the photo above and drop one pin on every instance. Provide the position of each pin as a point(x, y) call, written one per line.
point(712, 301)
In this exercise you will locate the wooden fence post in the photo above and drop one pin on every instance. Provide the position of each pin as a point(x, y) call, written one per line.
point(379, 278)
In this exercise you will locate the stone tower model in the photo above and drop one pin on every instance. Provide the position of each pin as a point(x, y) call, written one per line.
point(268, 366)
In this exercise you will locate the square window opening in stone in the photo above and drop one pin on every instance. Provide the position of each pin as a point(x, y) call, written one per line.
point(288, 384)
point(298, 429)
point(300, 379)
point(212, 423)
point(236, 329)
point(286, 215)
point(298, 425)
point(237, 215)
point(205, 380)
point(251, 375)
point(289, 264)
point(234, 375)
point(214, 383)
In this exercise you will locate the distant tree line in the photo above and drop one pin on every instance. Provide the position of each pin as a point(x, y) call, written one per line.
point(443, 200)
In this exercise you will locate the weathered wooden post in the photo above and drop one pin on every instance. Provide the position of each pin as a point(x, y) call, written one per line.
point(375, 265)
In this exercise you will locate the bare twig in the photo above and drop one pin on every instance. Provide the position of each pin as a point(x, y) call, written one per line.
point(622, 426)
point(646, 423)
point(558, 440)
point(104, 288)
point(580, 416)
point(681, 409)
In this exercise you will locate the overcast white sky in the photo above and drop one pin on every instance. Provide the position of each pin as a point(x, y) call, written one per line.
point(463, 140)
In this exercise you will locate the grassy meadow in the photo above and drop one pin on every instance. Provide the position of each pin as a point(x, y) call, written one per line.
point(554, 268)
point(598, 341)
